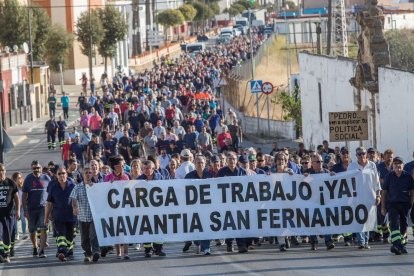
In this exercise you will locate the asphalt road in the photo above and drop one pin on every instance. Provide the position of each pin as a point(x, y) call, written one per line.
point(263, 260)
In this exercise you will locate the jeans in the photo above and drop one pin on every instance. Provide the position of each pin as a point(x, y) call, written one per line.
point(362, 238)
point(204, 245)
point(65, 112)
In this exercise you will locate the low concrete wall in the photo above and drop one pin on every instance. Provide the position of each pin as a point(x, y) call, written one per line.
point(279, 130)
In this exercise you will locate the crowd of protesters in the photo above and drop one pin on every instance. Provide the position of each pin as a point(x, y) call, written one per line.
point(166, 123)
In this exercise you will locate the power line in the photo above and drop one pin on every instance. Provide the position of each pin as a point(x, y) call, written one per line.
point(92, 6)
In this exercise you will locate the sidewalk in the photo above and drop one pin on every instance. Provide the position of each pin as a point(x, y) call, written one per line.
point(21, 133)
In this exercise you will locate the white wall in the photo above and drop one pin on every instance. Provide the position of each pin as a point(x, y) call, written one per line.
point(396, 100)
point(337, 94)
point(394, 110)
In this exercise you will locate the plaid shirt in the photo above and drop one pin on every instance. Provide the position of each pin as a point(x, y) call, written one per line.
point(79, 193)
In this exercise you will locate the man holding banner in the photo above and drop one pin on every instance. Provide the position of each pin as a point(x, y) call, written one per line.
point(150, 174)
point(370, 174)
point(200, 173)
point(233, 170)
point(317, 168)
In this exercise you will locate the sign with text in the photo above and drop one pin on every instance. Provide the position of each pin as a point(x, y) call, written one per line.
point(348, 126)
point(233, 207)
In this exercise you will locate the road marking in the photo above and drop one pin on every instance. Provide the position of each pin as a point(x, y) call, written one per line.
point(34, 141)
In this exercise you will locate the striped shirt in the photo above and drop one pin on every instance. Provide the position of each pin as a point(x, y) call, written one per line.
point(79, 193)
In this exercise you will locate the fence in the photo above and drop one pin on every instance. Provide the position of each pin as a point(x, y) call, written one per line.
point(244, 71)
point(235, 96)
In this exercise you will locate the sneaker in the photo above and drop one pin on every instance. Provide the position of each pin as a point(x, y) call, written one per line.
point(126, 257)
point(207, 252)
point(403, 250)
point(87, 259)
point(314, 247)
point(62, 257)
point(1, 259)
point(243, 249)
point(361, 247)
point(219, 243)
point(367, 247)
point(35, 252)
point(229, 248)
point(305, 240)
point(187, 246)
point(137, 246)
point(282, 248)
point(147, 255)
point(6, 260)
point(42, 254)
point(160, 253)
point(330, 246)
point(395, 250)
point(95, 257)
point(197, 249)
point(347, 243)
point(250, 247)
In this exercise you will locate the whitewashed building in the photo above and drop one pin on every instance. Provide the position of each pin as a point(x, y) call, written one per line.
point(325, 88)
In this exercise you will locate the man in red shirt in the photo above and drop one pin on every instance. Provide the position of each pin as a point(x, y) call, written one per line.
point(66, 152)
point(169, 115)
point(96, 123)
point(223, 136)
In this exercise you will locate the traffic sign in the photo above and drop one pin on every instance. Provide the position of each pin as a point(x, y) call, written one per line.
point(256, 86)
point(267, 88)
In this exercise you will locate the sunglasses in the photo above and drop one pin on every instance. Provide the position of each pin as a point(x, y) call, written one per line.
point(61, 173)
point(304, 163)
point(260, 160)
point(319, 161)
point(361, 153)
point(37, 168)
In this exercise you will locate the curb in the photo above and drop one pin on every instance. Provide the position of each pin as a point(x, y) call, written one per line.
point(18, 139)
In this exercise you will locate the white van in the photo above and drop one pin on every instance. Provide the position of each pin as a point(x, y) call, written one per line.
point(227, 31)
point(195, 47)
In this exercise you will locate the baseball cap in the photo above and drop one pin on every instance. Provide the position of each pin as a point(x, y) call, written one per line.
point(370, 150)
point(186, 153)
point(243, 159)
point(398, 160)
point(344, 149)
point(252, 157)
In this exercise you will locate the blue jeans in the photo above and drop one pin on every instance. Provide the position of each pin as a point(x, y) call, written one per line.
point(362, 238)
point(204, 244)
point(23, 221)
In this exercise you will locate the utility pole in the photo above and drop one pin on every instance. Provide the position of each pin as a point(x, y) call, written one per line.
point(253, 65)
point(341, 37)
point(136, 25)
point(1, 124)
point(90, 41)
point(329, 29)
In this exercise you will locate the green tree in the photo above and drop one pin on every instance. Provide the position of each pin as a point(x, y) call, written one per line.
point(188, 11)
point(401, 45)
point(89, 31)
point(170, 18)
point(13, 23)
point(292, 107)
point(247, 4)
point(215, 8)
point(203, 11)
point(57, 46)
point(41, 23)
point(291, 5)
point(115, 30)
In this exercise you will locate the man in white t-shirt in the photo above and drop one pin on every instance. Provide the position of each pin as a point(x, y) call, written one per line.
point(186, 164)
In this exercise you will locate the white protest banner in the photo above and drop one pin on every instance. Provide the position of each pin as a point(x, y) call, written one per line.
point(232, 207)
